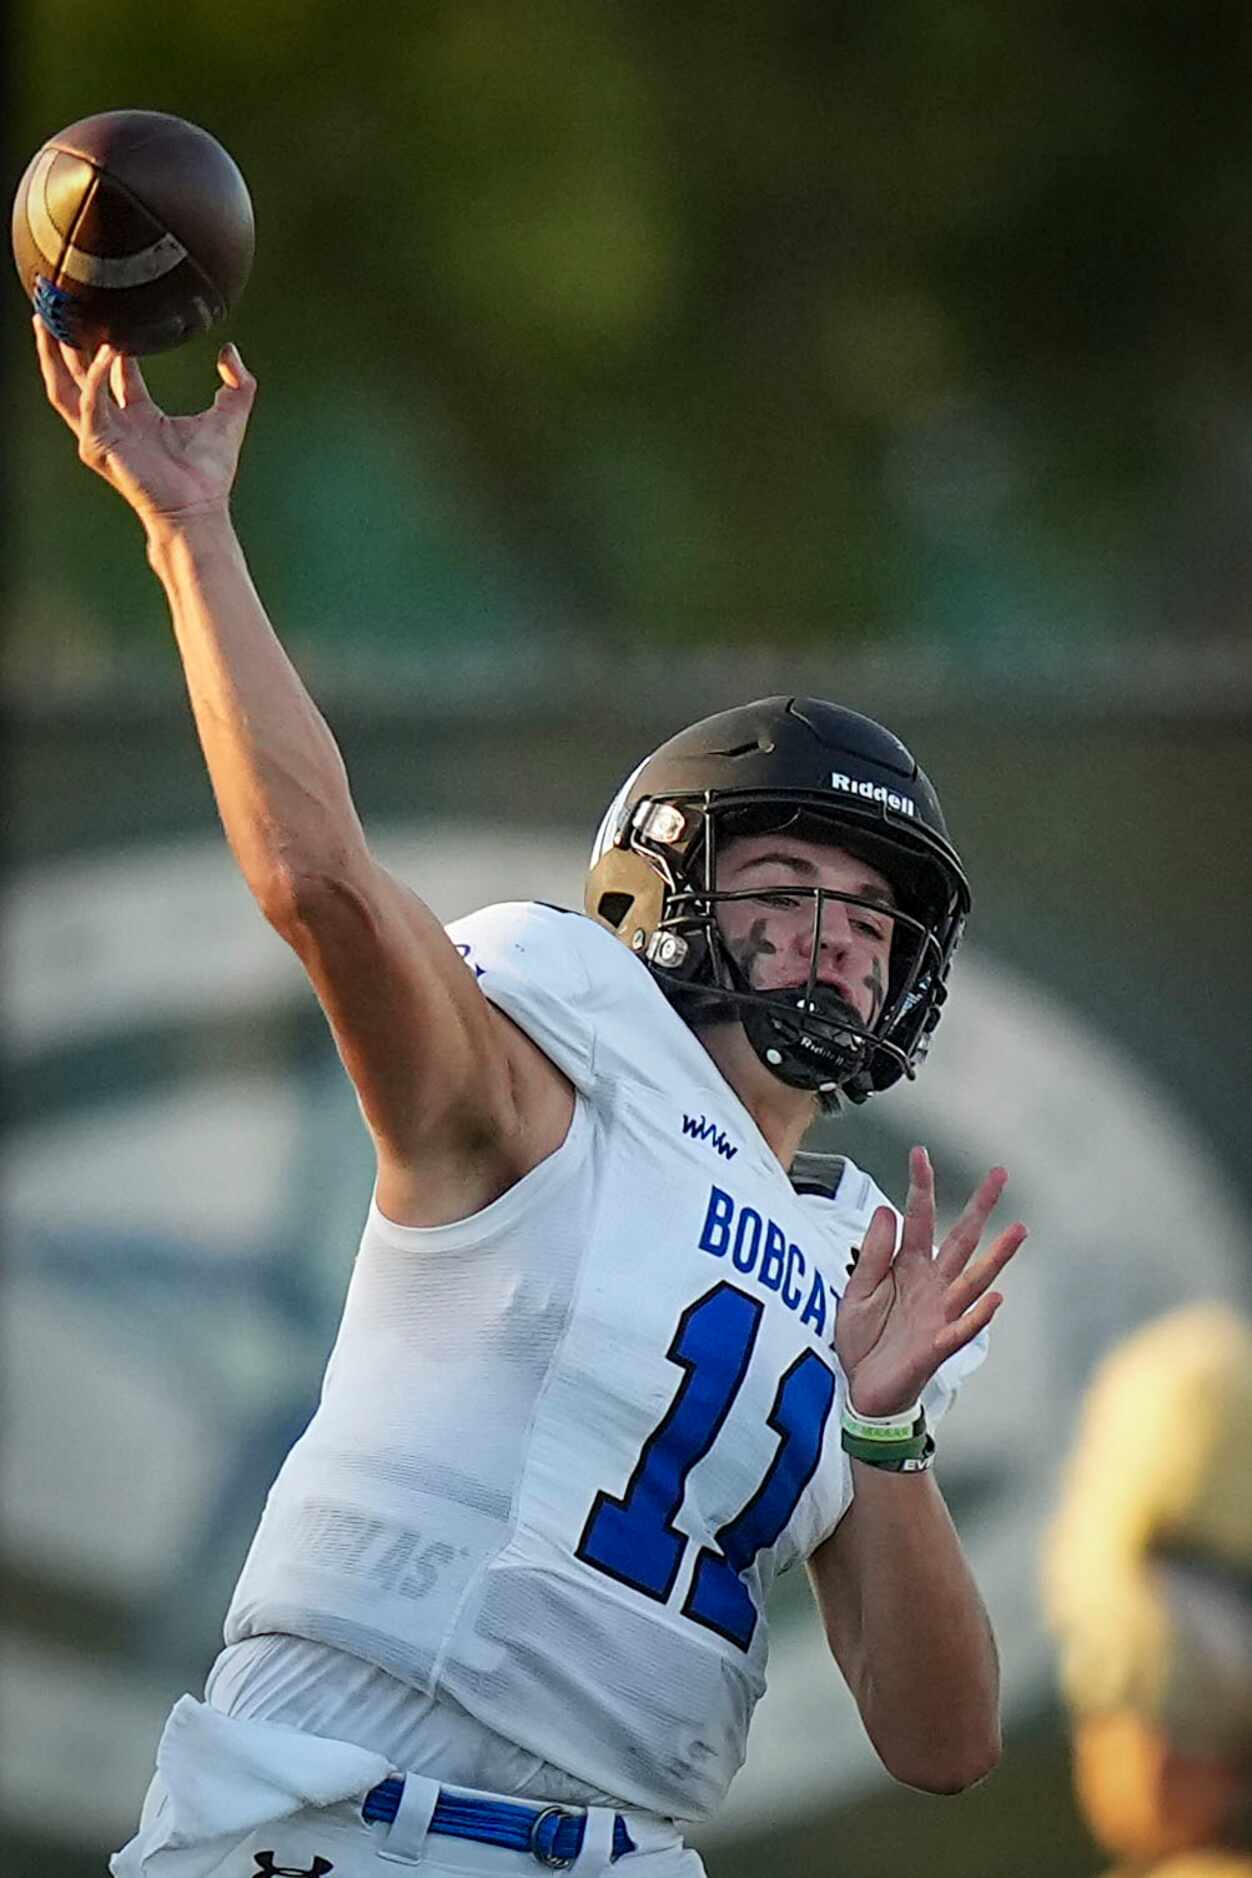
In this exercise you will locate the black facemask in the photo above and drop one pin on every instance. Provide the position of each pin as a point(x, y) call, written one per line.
point(810, 1040)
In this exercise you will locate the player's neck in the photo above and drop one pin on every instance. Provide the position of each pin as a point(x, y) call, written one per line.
point(783, 1115)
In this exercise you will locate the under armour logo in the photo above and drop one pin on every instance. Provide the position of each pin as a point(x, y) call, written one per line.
point(266, 1868)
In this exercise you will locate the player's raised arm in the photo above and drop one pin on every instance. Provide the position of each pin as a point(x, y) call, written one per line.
point(901, 1610)
point(459, 1102)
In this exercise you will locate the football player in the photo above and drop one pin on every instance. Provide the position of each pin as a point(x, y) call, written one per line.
point(614, 1354)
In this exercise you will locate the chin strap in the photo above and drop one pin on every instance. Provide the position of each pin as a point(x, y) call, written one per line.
point(807, 1042)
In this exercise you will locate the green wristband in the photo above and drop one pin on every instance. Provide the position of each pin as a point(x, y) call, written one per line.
point(885, 1427)
point(918, 1463)
point(885, 1442)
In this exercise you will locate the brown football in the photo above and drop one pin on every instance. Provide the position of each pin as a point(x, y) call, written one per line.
point(135, 228)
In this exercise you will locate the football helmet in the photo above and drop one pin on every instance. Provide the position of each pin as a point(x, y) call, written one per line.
point(823, 773)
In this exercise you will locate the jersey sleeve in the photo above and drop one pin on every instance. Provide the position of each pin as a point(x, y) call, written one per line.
point(859, 1197)
point(578, 993)
point(528, 959)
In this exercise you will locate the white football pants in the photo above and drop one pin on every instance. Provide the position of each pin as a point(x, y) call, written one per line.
point(245, 1799)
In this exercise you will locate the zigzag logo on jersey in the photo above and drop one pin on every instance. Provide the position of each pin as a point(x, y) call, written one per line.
point(266, 1868)
point(702, 1130)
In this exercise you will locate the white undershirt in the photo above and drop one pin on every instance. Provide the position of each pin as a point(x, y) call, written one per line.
point(343, 1698)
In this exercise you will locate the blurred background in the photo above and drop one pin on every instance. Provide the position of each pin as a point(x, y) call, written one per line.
point(618, 365)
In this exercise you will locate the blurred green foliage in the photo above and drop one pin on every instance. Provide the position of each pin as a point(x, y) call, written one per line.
point(799, 321)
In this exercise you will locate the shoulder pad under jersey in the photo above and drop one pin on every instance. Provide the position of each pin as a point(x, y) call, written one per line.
point(820, 1174)
point(589, 1004)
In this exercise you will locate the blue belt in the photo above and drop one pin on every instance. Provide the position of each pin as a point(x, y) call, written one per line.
point(549, 1833)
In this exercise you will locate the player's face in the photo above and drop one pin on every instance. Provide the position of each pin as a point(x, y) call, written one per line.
point(769, 932)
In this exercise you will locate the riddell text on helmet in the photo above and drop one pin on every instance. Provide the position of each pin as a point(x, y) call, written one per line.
point(873, 792)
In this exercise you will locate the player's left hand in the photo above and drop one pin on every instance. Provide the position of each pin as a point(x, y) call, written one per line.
point(906, 1309)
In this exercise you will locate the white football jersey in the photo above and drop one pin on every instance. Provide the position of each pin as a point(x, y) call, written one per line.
point(564, 1446)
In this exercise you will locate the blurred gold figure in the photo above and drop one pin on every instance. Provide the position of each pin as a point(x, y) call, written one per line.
point(1148, 1583)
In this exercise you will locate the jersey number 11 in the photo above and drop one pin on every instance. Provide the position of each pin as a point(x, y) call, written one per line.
point(634, 1538)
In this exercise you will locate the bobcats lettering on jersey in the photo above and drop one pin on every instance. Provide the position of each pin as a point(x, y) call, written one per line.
point(760, 1249)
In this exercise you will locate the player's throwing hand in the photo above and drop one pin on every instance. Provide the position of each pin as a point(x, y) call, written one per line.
point(906, 1310)
point(162, 466)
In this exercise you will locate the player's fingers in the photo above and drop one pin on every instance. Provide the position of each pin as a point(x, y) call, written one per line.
point(982, 1274)
point(232, 406)
point(875, 1256)
point(127, 383)
point(238, 384)
point(954, 1337)
point(96, 406)
point(61, 389)
point(231, 366)
point(919, 1208)
point(959, 1243)
point(76, 364)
